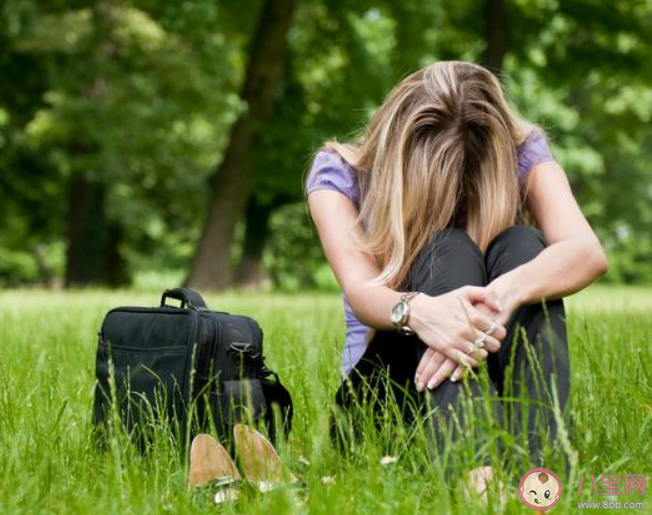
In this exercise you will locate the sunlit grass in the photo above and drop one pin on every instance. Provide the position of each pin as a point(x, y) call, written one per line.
point(48, 464)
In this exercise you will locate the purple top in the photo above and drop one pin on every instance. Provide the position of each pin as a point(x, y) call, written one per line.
point(330, 172)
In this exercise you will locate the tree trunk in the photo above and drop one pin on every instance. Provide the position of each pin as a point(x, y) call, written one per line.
point(92, 254)
point(496, 35)
point(231, 185)
point(86, 233)
point(250, 271)
point(116, 271)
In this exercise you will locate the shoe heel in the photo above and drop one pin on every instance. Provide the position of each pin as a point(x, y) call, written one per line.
point(210, 463)
point(260, 463)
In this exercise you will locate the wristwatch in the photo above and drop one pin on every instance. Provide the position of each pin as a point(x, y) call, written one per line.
point(401, 313)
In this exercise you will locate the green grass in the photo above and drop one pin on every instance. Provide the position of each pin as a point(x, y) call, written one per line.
point(48, 465)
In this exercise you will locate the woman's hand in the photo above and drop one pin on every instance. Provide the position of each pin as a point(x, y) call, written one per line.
point(435, 367)
point(504, 289)
point(450, 324)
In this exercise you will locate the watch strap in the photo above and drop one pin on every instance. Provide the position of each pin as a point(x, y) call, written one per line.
point(406, 297)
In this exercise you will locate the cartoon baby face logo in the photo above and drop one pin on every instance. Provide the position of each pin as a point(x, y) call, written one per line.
point(539, 489)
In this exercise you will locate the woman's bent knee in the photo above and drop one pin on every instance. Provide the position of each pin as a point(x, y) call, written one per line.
point(449, 260)
point(512, 248)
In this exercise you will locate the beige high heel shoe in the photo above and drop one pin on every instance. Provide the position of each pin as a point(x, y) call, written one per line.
point(259, 461)
point(211, 465)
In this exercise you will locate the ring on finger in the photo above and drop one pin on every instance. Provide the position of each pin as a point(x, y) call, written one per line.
point(492, 328)
point(480, 342)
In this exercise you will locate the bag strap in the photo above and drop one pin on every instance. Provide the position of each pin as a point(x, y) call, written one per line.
point(277, 397)
point(189, 298)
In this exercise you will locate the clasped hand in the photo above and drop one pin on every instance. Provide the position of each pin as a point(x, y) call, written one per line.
point(459, 328)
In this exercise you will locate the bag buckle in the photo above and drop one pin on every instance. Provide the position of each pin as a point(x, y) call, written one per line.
point(241, 347)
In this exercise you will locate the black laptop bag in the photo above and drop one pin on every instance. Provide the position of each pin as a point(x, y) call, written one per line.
point(188, 368)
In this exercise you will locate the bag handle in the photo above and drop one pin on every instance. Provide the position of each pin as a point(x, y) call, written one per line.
point(189, 298)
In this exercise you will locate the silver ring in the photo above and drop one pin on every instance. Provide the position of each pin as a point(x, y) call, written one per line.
point(492, 328)
point(479, 343)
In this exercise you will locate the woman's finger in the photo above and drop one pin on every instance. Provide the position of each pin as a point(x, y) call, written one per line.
point(458, 374)
point(475, 322)
point(423, 362)
point(480, 354)
point(482, 341)
point(462, 349)
point(480, 294)
point(480, 326)
point(433, 364)
point(460, 354)
point(479, 323)
point(483, 323)
point(491, 344)
point(446, 368)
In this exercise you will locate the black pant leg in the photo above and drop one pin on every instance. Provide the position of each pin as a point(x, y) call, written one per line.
point(449, 261)
point(533, 363)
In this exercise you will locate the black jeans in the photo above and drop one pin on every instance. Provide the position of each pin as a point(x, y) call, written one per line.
point(528, 381)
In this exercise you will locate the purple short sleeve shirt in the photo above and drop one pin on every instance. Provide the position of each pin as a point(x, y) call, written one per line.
point(330, 172)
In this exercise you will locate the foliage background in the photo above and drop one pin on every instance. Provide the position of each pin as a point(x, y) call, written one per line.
point(115, 116)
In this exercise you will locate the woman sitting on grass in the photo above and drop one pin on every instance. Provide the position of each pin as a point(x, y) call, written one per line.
point(422, 220)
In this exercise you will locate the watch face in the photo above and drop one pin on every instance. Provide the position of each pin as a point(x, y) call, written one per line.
point(399, 312)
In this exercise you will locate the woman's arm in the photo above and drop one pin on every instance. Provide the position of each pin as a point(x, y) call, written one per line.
point(572, 259)
point(574, 256)
point(333, 215)
point(442, 322)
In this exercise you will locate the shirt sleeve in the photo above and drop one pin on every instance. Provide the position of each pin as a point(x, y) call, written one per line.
point(330, 172)
point(533, 151)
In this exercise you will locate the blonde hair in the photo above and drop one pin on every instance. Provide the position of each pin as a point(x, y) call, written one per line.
point(441, 149)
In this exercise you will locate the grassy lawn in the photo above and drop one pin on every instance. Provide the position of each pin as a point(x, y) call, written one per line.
point(47, 464)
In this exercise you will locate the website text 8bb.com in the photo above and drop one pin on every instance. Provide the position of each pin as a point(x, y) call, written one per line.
point(611, 505)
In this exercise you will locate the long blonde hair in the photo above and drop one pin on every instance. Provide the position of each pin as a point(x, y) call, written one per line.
point(441, 149)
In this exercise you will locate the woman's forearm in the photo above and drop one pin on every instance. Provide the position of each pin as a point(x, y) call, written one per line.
point(562, 268)
point(335, 217)
point(372, 305)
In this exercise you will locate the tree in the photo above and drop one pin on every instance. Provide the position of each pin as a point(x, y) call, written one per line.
point(117, 123)
point(232, 183)
point(496, 34)
point(115, 116)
